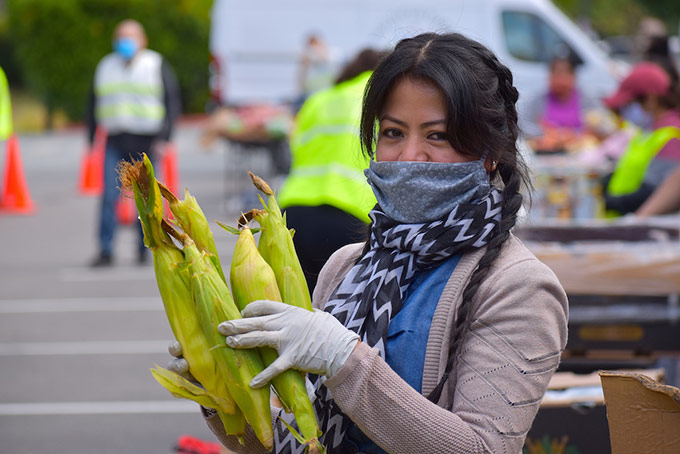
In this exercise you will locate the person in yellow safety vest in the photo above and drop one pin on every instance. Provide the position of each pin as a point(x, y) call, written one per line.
point(654, 152)
point(5, 108)
point(326, 196)
point(135, 98)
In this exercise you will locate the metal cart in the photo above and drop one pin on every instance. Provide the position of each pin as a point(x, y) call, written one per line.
point(269, 159)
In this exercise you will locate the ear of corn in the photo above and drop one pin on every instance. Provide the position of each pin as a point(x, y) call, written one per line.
point(175, 289)
point(193, 222)
point(277, 249)
point(214, 304)
point(196, 298)
point(253, 279)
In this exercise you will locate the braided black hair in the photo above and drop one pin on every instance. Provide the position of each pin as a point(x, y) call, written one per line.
point(481, 119)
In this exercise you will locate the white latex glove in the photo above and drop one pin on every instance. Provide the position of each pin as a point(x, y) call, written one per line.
point(178, 364)
point(313, 342)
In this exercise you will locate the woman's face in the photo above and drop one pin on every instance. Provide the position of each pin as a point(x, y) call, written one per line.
point(561, 79)
point(413, 125)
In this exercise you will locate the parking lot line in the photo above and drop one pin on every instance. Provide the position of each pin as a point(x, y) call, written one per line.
point(131, 273)
point(83, 348)
point(97, 408)
point(44, 305)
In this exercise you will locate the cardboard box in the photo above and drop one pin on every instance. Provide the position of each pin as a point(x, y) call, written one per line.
point(643, 414)
point(609, 257)
point(572, 418)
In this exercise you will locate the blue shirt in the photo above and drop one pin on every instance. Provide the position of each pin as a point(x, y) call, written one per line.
point(407, 336)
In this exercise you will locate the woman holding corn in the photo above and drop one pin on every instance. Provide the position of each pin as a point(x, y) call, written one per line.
point(441, 332)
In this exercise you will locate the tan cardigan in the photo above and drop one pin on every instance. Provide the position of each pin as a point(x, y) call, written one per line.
point(518, 331)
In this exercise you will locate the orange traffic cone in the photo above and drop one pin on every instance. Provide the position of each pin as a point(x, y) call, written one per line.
point(15, 197)
point(170, 172)
point(170, 168)
point(91, 180)
point(126, 212)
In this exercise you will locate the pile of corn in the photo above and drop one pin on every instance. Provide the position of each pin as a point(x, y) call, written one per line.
point(196, 299)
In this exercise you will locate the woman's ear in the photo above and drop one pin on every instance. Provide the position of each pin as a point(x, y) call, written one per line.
point(490, 165)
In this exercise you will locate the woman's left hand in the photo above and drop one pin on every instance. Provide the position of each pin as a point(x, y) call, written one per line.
point(309, 341)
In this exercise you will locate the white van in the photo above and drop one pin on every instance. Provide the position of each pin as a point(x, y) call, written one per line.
point(256, 45)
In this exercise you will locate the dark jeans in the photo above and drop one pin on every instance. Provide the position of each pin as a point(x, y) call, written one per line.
point(107, 219)
point(356, 442)
point(320, 231)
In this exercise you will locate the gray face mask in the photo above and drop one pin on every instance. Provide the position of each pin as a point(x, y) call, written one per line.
point(634, 113)
point(417, 192)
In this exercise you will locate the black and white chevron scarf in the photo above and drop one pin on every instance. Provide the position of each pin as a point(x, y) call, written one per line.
point(373, 291)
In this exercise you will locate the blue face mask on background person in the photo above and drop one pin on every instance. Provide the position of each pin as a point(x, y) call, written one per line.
point(125, 47)
point(635, 114)
point(417, 192)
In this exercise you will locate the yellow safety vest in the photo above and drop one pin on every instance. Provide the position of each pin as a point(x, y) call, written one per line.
point(5, 108)
point(641, 150)
point(130, 96)
point(327, 166)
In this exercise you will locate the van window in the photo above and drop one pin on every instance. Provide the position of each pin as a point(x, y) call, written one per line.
point(529, 38)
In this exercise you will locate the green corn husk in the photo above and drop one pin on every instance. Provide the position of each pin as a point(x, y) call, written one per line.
point(182, 388)
point(277, 249)
point(253, 279)
point(175, 289)
point(214, 304)
point(190, 218)
point(210, 373)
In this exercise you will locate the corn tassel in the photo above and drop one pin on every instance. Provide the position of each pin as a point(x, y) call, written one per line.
point(175, 289)
point(253, 279)
point(277, 248)
point(214, 304)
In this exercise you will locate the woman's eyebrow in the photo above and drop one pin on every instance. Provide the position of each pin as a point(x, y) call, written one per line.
point(432, 123)
point(403, 123)
point(393, 120)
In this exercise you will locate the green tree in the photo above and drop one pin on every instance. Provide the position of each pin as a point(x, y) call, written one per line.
point(622, 17)
point(58, 44)
point(8, 59)
point(608, 17)
point(666, 10)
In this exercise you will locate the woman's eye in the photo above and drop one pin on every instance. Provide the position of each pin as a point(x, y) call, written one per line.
point(391, 132)
point(438, 136)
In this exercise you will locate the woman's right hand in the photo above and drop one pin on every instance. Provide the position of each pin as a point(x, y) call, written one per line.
point(178, 364)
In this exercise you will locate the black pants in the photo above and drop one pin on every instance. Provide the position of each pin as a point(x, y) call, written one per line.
point(320, 231)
